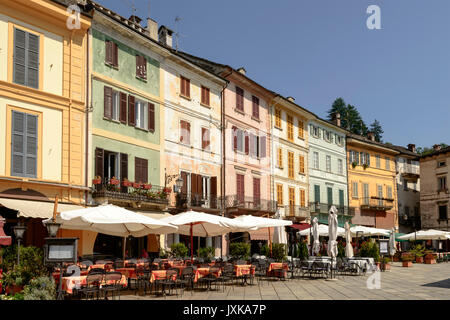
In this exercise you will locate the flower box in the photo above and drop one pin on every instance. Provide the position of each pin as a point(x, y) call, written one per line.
point(167, 190)
point(136, 185)
point(96, 181)
point(430, 260)
point(126, 183)
point(407, 264)
point(114, 181)
point(147, 186)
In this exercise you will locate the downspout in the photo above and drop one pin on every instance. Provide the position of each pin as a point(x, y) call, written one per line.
point(70, 111)
point(86, 144)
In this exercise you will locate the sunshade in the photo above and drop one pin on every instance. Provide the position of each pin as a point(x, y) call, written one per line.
point(315, 233)
point(332, 249)
point(348, 240)
point(280, 235)
point(35, 209)
point(113, 220)
point(369, 231)
point(254, 223)
point(323, 231)
point(430, 234)
point(392, 248)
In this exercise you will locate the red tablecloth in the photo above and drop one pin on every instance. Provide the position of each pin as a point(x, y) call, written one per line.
point(202, 272)
point(159, 275)
point(278, 267)
point(244, 269)
point(70, 283)
point(129, 273)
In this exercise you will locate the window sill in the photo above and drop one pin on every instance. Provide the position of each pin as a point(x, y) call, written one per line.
point(239, 111)
point(301, 138)
point(185, 97)
point(205, 105)
point(279, 128)
point(186, 145)
point(281, 168)
point(141, 79)
point(256, 119)
point(113, 120)
point(112, 66)
point(302, 173)
point(141, 129)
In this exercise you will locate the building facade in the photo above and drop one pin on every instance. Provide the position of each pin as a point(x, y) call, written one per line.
point(434, 190)
point(42, 112)
point(408, 188)
point(372, 182)
point(327, 171)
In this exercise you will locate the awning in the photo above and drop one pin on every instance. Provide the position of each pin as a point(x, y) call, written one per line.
point(35, 209)
point(261, 234)
point(155, 214)
point(301, 226)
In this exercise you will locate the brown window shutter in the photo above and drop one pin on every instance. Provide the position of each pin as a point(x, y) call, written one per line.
point(246, 143)
point(182, 131)
point(151, 117)
point(138, 66)
point(144, 68)
point(213, 189)
point(131, 111)
point(234, 138)
point(185, 182)
point(188, 88)
point(123, 166)
point(107, 112)
point(193, 183)
point(188, 133)
point(182, 86)
point(256, 188)
point(203, 138)
point(263, 146)
point(255, 112)
point(199, 184)
point(108, 52)
point(137, 169)
point(99, 162)
point(115, 54)
point(123, 107)
point(144, 170)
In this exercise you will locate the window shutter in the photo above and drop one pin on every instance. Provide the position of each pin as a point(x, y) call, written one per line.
point(255, 108)
point(99, 154)
point(131, 111)
point(357, 157)
point(18, 144)
point(108, 52)
point(138, 66)
point(263, 146)
point(107, 111)
point(194, 181)
point(213, 187)
point(247, 146)
point(137, 169)
point(317, 193)
point(151, 117)
point(123, 107)
point(31, 146)
point(33, 61)
point(19, 56)
point(205, 139)
point(368, 159)
point(234, 138)
point(144, 170)
point(188, 133)
point(185, 182)
point(252, 144)
point(182, 131)
point(188, 88)
point(239, 98)
point(256, 189)
point(182, 86)
point(123, 166)
point(115, 54)
point(302, 164)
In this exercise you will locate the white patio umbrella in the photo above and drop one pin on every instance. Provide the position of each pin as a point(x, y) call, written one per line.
point(348, 240)
point(392, 248)
point(201, 224)
point(430, 234)
point(323, 231)
point(332, 249)
point(279, 234)
point(369, 231)
point(315, 234)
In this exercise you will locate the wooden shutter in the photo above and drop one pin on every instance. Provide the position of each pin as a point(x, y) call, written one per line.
point(280, 158)
point(317, 193)
point(185, 87)
point(213, 192)
point(18, 144)
point(123, 107)
point(115, 54)
point(31, 146)
point(280, 194)
point(107, 111)
point(240, 187)
point(199, 184)
point(99, 154)
point(252, 144)
point(151, 117)
point(33, 61)
point(302, 198)
point(255, 107)
point(247, 144)
point(138, 66)
point(123, 166)
point(302, 164)
point(205, 139)
point(263, 146)
point(182, 86)
point(330, 196)
point(144, 170)
point(205, 96)
point(188, 133)
point(194, 182)
point(341, 198)
point(20, 56)
point(185, 182)
point(301, 131)
point(256, 188)
point(131, 111)
point(108, 51)
point(234, 129)
point(137, 170)
point(291, 165)
point(182, 131)
point(239, 99)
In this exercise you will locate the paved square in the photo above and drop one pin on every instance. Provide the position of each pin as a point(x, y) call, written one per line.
point(420, 282)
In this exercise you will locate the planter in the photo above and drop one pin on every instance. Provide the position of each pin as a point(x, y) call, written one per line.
point(407, 264)
point(147, 186)
point(419, 259)
point(430, 260)
point(385, 266)
point(96, 181)
point(12, 290)
point(126, 183)
point(114, 182)
point(136, 185)
point(396, 259)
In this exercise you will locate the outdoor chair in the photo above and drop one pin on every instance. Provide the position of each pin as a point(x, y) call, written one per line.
point(186, 279)
point(92, 287)
point(170, 281)
point(112, 284)
point(320, 268)
point(134, 282)
point(210, 278)
point(143, 279)
point(97, 270)
point(228, 275)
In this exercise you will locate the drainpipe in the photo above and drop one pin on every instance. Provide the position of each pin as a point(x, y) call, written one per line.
point(86, 144)
point(70, 110)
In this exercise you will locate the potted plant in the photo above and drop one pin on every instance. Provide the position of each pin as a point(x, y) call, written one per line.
point(167, 190)
point(136, 185)
point(179, 250)
point(147, 186)
point(430, 257)
point(13, 281)
point(206, 253)
point(354, 164)
point(97, 180)
point(365, 165)
point(114, 181)
point(385, 264)
point(240, 250)
point(418, 252)
point(126, 183)
point(407, 260)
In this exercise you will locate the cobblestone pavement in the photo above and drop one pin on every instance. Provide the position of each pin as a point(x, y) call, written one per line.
point(420, 282)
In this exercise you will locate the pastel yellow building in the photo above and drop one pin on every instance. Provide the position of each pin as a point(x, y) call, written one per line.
point(42, 111)
point(372, 182)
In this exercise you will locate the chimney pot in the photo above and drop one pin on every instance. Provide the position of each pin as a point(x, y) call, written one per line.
point(242, 70)
point(165, 36)
point(412, 147)
point(135, 19)
point(291, 99)
point(337, 119)
point(371, 136)
point(437, 147)
point(152, 29)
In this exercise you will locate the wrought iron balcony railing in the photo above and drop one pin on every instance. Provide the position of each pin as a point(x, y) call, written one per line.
point(374, 203)
point(196, 200)
point(250, 203)
point(296, 211)
point(114, 189)
point(324, 208)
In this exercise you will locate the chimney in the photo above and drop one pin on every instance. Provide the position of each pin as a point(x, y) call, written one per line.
point(292, 99)
point(337, 119)
point(371, 136)
point(135, 19)
point(152, 29)
point(242, 70)
point(165, 36)
point(437, 147)
point(412, 147)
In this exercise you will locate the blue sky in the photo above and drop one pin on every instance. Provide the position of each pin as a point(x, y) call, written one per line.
point(318, 50)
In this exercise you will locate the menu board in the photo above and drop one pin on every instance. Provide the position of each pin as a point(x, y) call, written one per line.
point(384, 247)
point(60, 252)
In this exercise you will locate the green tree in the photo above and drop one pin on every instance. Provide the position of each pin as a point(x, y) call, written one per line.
point(338, 106)
point(350, 117)
point(376, 128)
point(425, 150)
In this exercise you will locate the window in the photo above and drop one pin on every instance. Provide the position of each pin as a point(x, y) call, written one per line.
point(351, 156)
point(355, 189)
point(317, 193)
point(441, 163)
point(26, 58)
point(380, 195)
point(302, 164)
point(290, 128)
point(301, 129)
point(365, 158)
point(339, 140)
point(24, 142)
point(241, 140)
point(140, 170)
point(205, 139)
point(291, 201)
point(405, 185)
point(366, 193)
point(302, 198)
point(115, 106)
point(112, 54)
point(141, 67)
point(280, 158)
point(389, 192)
point(185, 87)
point(388, 163)
point(239, 99)
point(291, 165)
point(141, 113)
point(443, 213)
point(240, 187)
point(255, 107)
point(205, 96)
point(378, 161)
point(280, 194)
point(340, 166)
point(315, 132)
point(328, 163)
point(278, 118)
point(316, 160)
point(442, 183)
point(327, 136)
point(185, 132)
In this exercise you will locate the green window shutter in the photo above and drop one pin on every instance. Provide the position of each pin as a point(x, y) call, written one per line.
point(341, 198)
point(330, 195)
point(316, 193)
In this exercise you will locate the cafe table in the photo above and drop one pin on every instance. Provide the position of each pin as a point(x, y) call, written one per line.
point(278, 266)
point(244, 271)
point(129, 273)
point(76, 282)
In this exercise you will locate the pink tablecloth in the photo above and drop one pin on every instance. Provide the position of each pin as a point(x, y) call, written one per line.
point(70, 283)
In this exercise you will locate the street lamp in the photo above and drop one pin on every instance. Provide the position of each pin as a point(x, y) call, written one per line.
point(19, 230)
point(52, 227)
point(179, 184)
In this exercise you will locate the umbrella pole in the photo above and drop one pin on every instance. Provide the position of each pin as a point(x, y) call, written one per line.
point(124, 247)
point(192, 247)
point(270, 243)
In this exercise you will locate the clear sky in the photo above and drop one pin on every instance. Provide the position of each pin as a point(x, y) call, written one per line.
point(318, 50)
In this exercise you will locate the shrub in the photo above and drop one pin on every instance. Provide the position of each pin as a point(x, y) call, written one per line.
point(179, 250)
point(341, 250)
point(279, 251)
point(206, 253)
point(369, 249)
point(240, 250)
point(418, 251)
point(42, 288)
point(265, 251)
point(162, 253)
point(303, 251)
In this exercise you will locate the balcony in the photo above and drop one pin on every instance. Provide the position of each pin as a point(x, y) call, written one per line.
point(197, 201)
point(250, 203)
point(126, 193)
point(410, 172)
point(378, 204)
point(324, 208)
point(299, 212)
